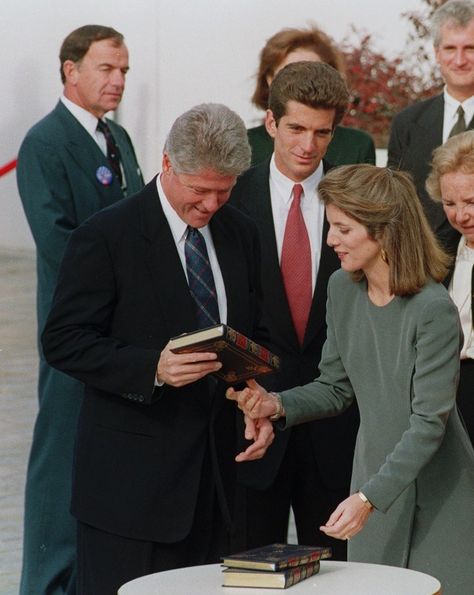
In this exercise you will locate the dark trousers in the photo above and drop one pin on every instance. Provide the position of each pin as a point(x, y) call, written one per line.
point(465, 395)
point(298, 485)
point(49, 539)
point(106, 561)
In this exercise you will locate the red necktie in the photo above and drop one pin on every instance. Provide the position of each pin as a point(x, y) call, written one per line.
point(296, 265)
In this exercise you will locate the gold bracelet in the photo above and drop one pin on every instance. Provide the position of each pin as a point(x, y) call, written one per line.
point(279, 408)
point(365, 500)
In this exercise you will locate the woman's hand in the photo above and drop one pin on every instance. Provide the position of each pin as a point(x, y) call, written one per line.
point(253, 400)
point(348, 519)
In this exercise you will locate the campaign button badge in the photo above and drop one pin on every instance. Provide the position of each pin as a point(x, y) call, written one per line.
point(104, 175)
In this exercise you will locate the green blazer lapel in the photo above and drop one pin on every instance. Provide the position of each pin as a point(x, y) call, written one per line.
point(132, 170)
point(86, 154)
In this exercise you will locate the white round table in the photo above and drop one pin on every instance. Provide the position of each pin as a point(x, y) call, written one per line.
point(334, 578)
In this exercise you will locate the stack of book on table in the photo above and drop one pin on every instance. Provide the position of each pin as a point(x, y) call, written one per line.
point(274, 566)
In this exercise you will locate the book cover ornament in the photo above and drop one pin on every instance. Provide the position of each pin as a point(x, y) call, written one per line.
point(241, 357)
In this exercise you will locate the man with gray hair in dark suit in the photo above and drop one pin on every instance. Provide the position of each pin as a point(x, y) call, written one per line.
point(153, 476)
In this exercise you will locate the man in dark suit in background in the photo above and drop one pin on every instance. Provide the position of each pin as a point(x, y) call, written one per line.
point(156, 440)
point(420, 128)
point(67, 170)
point(308, 469)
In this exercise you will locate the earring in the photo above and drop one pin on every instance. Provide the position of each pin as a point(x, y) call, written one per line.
point(383, 255)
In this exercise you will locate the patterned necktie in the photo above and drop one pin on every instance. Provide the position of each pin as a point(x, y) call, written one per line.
point(113, 152)
point(200, 279)
point(296, 265)
point(460, 125)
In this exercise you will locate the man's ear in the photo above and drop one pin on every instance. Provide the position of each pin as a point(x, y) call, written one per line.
point(270, 123)
point(165, 163)
point(70, 71)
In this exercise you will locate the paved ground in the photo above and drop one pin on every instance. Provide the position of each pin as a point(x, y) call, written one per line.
point(18, 370)
point(18, 373)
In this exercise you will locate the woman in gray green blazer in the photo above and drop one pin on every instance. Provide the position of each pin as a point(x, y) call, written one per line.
point(348, 145)
point(393, 341)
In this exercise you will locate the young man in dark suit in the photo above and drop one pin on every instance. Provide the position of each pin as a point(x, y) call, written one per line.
point(156, 440)
point(420, 128)
point(310, 468)
point(67, 170)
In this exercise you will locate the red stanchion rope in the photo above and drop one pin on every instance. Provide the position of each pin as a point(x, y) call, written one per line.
point(4, 169)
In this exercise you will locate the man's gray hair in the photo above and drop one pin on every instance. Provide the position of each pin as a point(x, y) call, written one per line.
point(209, 136)
point(455, 13)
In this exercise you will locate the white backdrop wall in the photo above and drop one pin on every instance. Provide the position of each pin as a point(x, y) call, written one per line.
point(182, 52)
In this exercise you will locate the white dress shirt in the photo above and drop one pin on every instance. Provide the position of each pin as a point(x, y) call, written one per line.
point(450, 112)
point(87, 120)
point(179, 229)
point(460, 292)
point(312, 208)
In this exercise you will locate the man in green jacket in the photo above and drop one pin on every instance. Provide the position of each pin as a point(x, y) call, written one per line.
point(71, 164)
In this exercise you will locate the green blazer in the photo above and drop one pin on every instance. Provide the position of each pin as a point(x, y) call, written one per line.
point(57, 177)
point(349, 145)
point(58, 185)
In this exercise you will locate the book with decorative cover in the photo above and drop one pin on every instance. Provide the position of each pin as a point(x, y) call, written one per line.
point(241, 577)
point(277, 556)
point(241, 357)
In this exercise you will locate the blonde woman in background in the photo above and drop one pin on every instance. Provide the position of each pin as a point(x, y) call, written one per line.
point(451, 182)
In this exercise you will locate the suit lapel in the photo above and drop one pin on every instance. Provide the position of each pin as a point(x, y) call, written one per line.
point(328, 263)
point(133, 174)
point(164, 265)
point(85, 152)
point(430, 127)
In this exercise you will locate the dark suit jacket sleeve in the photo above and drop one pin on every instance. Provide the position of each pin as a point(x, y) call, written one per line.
point(79, 335)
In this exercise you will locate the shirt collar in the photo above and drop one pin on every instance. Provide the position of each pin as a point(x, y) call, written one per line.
point(451, 105)
point(178, 227)
point(309, 184)
point(85, 118)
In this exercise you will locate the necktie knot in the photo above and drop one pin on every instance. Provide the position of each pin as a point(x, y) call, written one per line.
point(460, 125)
point(297, 192)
